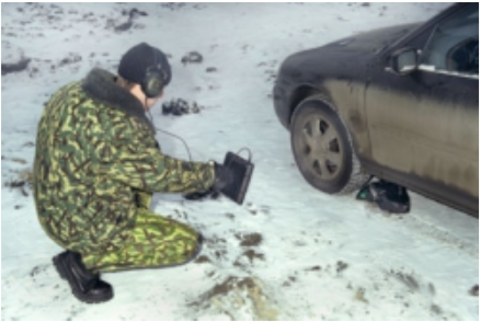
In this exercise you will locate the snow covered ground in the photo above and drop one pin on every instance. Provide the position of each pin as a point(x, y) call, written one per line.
point(290, 252)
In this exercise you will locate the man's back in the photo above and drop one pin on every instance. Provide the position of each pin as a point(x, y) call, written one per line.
point(76, 135)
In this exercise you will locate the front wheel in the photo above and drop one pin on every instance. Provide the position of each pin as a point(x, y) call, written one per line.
point(323, 149)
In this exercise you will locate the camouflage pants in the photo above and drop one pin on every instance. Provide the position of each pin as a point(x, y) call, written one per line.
point(153, 242)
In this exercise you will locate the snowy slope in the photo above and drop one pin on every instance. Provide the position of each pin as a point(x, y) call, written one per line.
point(289, 252)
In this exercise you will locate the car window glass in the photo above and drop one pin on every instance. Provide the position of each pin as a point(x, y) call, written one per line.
point(453, 46)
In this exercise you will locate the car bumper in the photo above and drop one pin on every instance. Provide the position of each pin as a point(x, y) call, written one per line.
point(280, 102)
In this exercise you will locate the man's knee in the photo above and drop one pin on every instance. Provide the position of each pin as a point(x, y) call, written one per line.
point(197, 249)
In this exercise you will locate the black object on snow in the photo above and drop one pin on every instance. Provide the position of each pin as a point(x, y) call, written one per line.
point(474, 291)
point(388, 196)
point(192, 57)
point(15, 67)
point(179, 107)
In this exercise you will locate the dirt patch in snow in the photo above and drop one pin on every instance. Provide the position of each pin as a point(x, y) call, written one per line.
point(252, 255)
point(341, 266)
point(203, 259)
point(236, 294)
point(15, 67)
point(23, 180)
point(249, 240)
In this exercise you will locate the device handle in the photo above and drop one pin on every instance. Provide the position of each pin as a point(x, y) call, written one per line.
point(249, 153)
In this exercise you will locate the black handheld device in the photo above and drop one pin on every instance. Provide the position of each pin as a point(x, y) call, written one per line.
point(242, 170)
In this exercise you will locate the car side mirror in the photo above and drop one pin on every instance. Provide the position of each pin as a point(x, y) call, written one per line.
point(404, 61)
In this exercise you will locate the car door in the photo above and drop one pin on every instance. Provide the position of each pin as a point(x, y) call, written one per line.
point(424, 126)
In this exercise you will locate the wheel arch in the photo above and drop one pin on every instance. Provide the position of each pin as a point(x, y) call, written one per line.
point(302, 93)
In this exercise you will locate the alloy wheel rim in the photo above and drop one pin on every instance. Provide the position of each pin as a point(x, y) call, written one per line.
point(320, 145)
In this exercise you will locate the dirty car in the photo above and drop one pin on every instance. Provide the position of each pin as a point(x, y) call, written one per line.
point(399, 103)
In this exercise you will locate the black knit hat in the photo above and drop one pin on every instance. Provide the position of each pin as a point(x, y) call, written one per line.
point(135, 62)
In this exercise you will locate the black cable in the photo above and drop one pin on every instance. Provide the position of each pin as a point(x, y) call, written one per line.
point(175, 136)
point(186, 148)
point(190, 155)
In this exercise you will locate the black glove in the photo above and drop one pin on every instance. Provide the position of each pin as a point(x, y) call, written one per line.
point(202, 195)
point(223, 176)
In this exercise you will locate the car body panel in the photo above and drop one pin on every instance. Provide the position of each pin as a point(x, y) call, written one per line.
point(430, 131)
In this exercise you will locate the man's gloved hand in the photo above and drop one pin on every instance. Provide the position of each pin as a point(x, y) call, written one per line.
point(202, 195)
point(223, 176)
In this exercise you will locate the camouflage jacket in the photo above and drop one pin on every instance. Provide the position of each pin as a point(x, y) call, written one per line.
point(97, 160)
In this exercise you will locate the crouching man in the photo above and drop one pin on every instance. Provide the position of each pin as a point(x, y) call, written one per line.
point(97, 164)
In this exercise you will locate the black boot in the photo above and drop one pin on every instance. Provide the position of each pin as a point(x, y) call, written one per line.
point(86, 286)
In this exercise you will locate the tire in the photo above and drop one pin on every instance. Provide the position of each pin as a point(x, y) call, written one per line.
point(323, 149)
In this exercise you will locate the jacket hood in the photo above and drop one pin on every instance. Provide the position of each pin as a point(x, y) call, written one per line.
point(100, 86)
